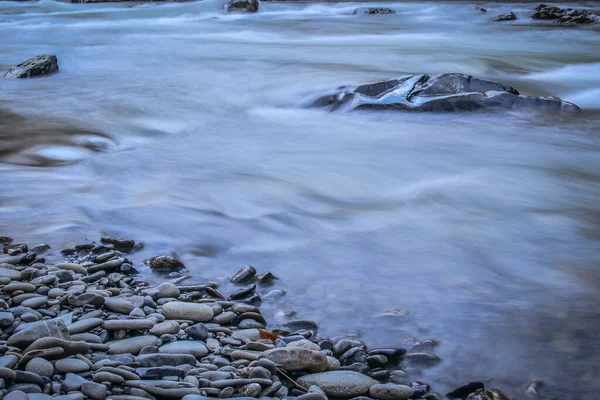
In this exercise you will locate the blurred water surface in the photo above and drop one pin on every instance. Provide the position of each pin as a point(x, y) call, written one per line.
point(183, 127)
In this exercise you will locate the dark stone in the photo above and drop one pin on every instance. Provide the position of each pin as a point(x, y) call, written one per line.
point(162, 359)
point(93, 299)
point(244, 292)
point(40, 65)
point(250, 6)
point(374, 10)
point(197, 331)
point(463, 391)
point(352, 356)
point(244, 275)
point(159, 372)
point(563, 15)
point(28, 377)
point(423, 358)
point(356, 367)
point(64, 276)
point(445, 92)
point(493, 394)
point(14, 249)
point(510, 16)
point(378, 360)
point(53, 328)
point(265, 278)
point(166, 263)
point(121, 244)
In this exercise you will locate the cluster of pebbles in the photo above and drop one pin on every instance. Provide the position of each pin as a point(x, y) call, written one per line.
point(90, 327)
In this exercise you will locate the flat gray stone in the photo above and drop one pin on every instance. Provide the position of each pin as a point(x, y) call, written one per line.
point(54, 328)
point(339, 383)
point(118, 305)
point(297, 359)
point(197, 349)
point(133, 345)
point(40, 366)
point(188, 311)
point(84, 325)
point(94, 391)
point(391, 391)
point(71, 365)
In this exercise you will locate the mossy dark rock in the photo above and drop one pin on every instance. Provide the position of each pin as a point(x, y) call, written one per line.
point(374, 10)
point(250, 6)
point(509, 16)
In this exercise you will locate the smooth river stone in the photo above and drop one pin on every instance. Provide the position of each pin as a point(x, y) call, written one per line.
point(164, 328)
point(13, 274)
point(54, 328)
point(14, 286)
point(391, 391)
point(188, 311)
point(77, 268)
point(297, 359)
point(71, 365)
point(6, 319)
point(133, 345)
point(339, 383)
point(84, 325)
point(197, 349)
point(118, 305)
point(162, 359)
point(135, 324)
point(40, 366)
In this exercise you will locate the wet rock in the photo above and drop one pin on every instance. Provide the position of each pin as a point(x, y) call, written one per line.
point(353, 356)
point(165, 263)
point(297, 359)
point(463, 391)
point(54, 328)
point(509, 16)
point(84, 325)
point(374, 10)
point(133, 345)
point(439, 93)
point(246, 274)
point(390, 391)
point(493, 394)
point(44, 64)
point(244, 292)
point(197, 349)
point(392, 354)
point(563, 15)
point(250, 6)
point(122, 244)
point(188, 311)
point(339, 383)
point(265, 278)
point(423, 358)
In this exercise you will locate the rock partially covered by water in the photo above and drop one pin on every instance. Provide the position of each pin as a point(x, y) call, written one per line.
point(563, 15)
point(445, 92)
point(374, 10)
point(509, 16)
point(250, 6)
point(165, 263)
point(40, 65)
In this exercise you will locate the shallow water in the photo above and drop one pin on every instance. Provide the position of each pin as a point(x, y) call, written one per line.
point(182, 127)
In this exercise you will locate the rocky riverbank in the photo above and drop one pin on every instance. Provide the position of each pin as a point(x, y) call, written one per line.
point(88, 326)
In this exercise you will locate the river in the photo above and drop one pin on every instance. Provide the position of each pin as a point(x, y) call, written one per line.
point(185, 128)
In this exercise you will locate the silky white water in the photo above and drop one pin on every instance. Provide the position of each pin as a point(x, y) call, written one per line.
point(185, 128)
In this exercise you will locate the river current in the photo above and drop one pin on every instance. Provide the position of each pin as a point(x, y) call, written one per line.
point(185, 128)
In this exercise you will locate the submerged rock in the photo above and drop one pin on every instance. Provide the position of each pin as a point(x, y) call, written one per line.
point(40, 65)
point(509, 16)
point(250, 6)
point(374, 10)
point(445, 92)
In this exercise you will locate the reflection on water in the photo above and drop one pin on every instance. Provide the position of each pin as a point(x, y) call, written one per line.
point(181, 127)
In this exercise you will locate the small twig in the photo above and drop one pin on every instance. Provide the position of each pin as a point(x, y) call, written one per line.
point(293, 381)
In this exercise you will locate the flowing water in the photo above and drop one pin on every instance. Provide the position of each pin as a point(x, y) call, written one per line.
point(185, 128)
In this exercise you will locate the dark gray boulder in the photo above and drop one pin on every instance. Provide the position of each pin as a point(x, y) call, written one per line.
point(250, 6)
point(563, 15)
point(40, 65)
point(509, 16)
point(445, 92)
point(374, 10)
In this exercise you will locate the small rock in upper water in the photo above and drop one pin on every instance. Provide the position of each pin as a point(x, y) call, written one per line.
point(339, 383)
point(40, 65)
point(374, 10)
point(167, 263)
point(510, 16)
point(122, 244)
point(390, 391)
point(493, 394)
point(250, 6)
point(465, 390)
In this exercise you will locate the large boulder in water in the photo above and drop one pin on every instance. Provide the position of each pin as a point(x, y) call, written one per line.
point(509, 16)
point(374, 10)
point(40, 65)
point(563, 15)
point(445, 92)
point(250, 6)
